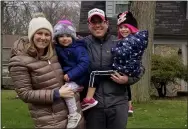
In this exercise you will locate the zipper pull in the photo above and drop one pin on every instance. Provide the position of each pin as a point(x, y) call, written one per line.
point(49, 62)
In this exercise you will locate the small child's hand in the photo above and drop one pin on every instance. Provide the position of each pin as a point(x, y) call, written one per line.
point(66, 78)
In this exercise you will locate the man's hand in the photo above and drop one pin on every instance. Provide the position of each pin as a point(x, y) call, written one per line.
point(66, 78)
point(121, 79)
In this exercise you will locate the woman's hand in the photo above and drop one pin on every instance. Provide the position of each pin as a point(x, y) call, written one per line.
point(66, 92)
point(121, 79)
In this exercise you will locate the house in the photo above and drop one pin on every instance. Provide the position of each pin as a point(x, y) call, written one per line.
point(172, 29)
point(170, 24)
point(7, 42)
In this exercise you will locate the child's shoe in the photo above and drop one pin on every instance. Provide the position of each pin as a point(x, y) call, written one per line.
point(73, 120)
point(130, 111)
point(86, 104)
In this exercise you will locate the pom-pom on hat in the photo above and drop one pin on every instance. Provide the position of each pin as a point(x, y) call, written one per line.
point(38, 22)
point(126, 18)
point(64, 27)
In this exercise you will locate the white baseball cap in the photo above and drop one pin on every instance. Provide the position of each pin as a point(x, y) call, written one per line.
point(97, 12)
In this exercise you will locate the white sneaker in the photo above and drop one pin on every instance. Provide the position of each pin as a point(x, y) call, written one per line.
point(130, 111)
point(73, 120)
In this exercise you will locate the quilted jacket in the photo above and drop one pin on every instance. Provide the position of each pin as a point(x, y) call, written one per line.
point(35, 81)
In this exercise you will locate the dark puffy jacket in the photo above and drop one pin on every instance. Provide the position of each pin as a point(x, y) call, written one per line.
point(108, 92)
point(127, 55)
point(74, 60)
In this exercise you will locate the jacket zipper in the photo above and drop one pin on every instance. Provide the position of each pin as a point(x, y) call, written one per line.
point(101, 69)
point(92, 52)
point(101, 57)
point(49, 62)
point(57, 77)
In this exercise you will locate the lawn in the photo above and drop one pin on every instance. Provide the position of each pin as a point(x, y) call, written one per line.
point(155, 114)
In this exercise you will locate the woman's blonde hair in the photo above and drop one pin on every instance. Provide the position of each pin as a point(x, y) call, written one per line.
point(30, 47)
point(32, 51)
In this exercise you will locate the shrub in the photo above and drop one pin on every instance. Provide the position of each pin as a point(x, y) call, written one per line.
point(166, 69)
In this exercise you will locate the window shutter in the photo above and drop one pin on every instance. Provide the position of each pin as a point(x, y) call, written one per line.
point(110, 8)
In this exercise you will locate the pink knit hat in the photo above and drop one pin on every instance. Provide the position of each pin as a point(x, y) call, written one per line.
point(64, 22)
point(64, 27)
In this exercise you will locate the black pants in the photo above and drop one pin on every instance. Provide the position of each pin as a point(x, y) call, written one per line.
point(129, 93)
point(110, 118)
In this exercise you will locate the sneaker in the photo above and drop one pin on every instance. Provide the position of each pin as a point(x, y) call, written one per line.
point(73, 120)
point(130, 111)
point(86, 104)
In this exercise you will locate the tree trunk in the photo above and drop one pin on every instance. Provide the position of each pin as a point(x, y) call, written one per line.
point(144, 12)
point(159, 90)
point(162, 90)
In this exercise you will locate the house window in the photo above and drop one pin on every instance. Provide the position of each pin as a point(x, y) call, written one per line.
point(113, 8)
point(120, 7)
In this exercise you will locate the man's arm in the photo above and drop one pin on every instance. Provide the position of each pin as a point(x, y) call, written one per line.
point(133, 80)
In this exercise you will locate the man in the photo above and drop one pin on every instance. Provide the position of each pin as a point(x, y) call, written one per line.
point(111, 112)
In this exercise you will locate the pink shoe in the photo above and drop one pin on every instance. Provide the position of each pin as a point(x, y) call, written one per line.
point(86, 104)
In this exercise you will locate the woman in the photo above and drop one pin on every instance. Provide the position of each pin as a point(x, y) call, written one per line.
point(38, 78)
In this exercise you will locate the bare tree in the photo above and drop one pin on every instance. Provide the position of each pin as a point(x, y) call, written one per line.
point(3, 5)
point(16, 15)
point(55, 10)
point(144, 11)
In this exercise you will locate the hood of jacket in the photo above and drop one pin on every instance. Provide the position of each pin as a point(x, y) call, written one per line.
point(19, 46)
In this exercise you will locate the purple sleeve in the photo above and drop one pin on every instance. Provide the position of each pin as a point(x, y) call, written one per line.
point(56, 94)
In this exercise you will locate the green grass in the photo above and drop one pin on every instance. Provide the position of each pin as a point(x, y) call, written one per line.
point(15, 113)
point(155, 114)
point(159, 114)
